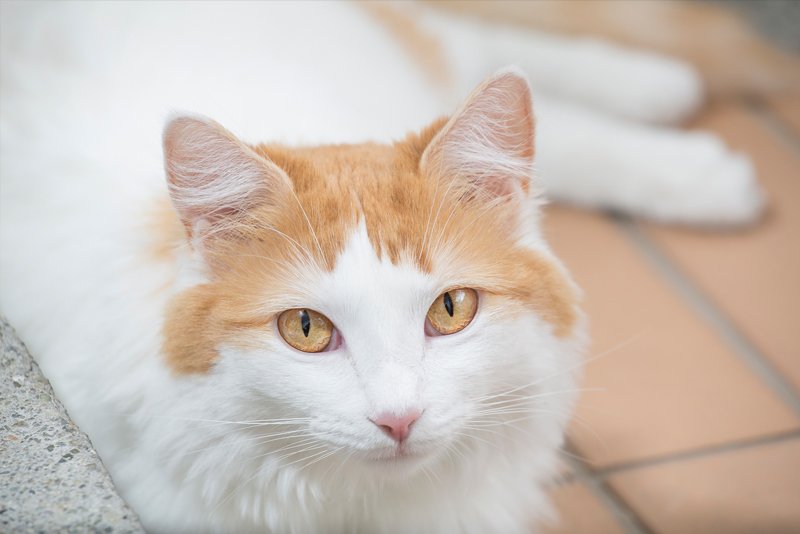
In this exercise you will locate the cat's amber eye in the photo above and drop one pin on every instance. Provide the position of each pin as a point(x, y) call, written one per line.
point(305, 330)
point(453, 310)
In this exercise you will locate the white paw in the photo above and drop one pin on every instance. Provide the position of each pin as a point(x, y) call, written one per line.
point(699, 181)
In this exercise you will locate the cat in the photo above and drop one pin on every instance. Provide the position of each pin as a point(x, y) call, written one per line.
point(304, 336)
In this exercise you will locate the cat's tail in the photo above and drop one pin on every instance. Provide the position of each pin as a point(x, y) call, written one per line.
point(732, 57)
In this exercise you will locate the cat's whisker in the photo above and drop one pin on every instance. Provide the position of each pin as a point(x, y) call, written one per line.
point(517, 406)
point(537, 413)
point(325, 450)
point(472, 436)
point(222, 439)
point(319, 459)
point(483, 429)
point(248, 480)
point(342, 464)
point(571, 368)
point(428, 222)
point(508, 411)
point(307, 442)
point(450, 451)
point(526, 432)
point(531, 414)
point(241, 485)
point(523, 398)
point(295, 244)
point(589, 428)
point(511, 424)
point(308, 222)
point(309, 446)
point(237, 426)
point(442, 200)
point(458, 448)
point(300, 443)
point(432, 476)
point(338, 466)
point(255, 422)
point(486, 208)
point(252, 441)
point(582, 459)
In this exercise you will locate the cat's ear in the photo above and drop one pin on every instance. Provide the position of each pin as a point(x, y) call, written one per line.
point(213, 177)
point(488, 143)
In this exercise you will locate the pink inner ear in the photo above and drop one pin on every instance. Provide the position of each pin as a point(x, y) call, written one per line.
point(498, 186)
point(212, 175)
point(489, 141)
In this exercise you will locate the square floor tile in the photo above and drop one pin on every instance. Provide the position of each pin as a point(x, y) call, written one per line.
point(580, 512)
point(749, 490)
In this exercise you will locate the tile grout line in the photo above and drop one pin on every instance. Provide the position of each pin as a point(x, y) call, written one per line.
point(776, 124)
point(624, 515)
point(701, 304)
point(597, 479)
point(692, 454)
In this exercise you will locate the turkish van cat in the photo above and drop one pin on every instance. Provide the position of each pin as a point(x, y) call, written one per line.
point(271, 331)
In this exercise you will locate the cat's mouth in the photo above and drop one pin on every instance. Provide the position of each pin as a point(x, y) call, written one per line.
point(402, 454)
point(399, 453)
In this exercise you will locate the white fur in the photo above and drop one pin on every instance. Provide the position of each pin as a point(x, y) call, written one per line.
point(85, 91)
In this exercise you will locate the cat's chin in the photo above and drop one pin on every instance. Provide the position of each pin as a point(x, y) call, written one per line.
point(398, 462)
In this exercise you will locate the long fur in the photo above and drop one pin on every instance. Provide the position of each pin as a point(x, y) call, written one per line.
point(156, 325)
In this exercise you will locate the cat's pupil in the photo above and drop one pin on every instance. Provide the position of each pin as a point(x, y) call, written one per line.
point(448, 304)
point(305, 322)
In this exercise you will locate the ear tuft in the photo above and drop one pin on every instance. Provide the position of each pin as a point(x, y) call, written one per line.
point(212, 176)
point(488, 143)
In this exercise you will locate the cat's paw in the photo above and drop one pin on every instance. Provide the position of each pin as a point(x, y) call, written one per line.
point(705, 183)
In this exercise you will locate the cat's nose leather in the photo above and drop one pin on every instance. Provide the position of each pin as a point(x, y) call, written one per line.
point(397, 427)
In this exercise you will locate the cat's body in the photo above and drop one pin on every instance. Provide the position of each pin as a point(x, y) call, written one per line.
point(158, 329)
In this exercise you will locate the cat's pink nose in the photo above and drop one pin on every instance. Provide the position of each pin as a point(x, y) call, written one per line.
point(397, 427)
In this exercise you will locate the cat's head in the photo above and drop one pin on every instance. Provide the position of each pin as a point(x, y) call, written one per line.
point(374, 302)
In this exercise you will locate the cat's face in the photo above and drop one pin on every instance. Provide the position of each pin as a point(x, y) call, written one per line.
point(379, 303)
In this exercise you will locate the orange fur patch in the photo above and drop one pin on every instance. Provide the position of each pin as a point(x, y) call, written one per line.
point(408, 216)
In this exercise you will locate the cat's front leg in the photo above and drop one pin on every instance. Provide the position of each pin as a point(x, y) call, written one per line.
point(592, 159)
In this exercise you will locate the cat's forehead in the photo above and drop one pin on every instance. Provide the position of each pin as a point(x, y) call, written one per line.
point(340, 166)
point(378, 186)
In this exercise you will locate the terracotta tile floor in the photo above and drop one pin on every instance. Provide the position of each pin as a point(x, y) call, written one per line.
point(693, 421)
